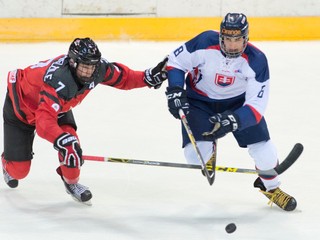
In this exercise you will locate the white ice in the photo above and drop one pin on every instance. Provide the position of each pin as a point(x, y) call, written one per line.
point(132, 202)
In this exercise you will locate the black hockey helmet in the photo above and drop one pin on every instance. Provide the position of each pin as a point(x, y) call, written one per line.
point(84, 50)
point(234, 25)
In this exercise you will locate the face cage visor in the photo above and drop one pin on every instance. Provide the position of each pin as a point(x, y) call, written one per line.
point(232, 54)
point(86, 80)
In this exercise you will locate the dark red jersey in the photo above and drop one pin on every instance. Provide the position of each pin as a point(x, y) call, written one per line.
point(41, 92)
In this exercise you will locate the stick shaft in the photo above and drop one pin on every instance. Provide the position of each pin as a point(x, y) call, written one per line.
point(282, 167)
point(210, 177)
point(164, 164)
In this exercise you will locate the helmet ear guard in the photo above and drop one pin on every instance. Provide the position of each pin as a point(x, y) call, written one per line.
point(234, 25)
point(72, 63)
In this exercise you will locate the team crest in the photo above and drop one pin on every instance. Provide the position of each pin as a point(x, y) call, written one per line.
point(223, 80)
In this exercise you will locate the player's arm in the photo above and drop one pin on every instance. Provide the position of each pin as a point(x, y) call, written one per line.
point(122, 77)
point(47, 114)
point(176, 94)
point(187, 57)
point(252, 111)
point(179, 64)
point(68, 146)
point(257, 93)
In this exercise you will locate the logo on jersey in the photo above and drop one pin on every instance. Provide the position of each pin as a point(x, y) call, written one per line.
point(223, 80)
point(12, 76)
point(56, 107)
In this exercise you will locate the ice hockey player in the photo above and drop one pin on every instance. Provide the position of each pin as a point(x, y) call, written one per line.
point(226, 89)
point(40, 98)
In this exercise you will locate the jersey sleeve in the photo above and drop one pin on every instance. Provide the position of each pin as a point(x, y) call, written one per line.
point(47, 114)
point(187, 57)
point(180, 62)
point(122, 77)
point(257, 93)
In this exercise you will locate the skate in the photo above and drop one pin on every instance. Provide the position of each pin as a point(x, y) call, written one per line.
point(78, 192)
point(277, 196)
point(10, 181)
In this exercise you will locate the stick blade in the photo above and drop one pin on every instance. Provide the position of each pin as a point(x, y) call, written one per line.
point(290, 159)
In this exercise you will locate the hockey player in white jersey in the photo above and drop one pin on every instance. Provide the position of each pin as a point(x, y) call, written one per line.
point(221, 82)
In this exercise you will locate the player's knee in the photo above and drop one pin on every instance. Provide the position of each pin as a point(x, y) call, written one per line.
point(18, 170)
point(70, 175)
point(205, 148)
point(264, 154)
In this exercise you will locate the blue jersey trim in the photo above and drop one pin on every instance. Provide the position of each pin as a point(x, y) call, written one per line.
point(203, 41)
point(176, 77)
point(246, 117)
point(258, 62)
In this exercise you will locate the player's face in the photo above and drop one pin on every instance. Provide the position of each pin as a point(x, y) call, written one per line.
point(233, 44)
point(85, 71)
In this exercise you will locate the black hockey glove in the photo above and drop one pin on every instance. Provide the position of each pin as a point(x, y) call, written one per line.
point(223, 123)
point(177, 99)
point(70, 153)
point(154, 77)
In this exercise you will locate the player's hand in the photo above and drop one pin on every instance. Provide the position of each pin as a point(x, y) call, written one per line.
point(223, 123)
point(70, 153)
point(177, 99)
point(154, 77)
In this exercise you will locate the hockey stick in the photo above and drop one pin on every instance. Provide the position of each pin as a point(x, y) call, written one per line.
point(210, 176)
point(282, 167)
point(211, 164)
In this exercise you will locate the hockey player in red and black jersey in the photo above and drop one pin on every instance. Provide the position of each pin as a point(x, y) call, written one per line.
point(40, 98)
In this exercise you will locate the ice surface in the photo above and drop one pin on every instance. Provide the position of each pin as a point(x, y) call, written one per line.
point(145, 202)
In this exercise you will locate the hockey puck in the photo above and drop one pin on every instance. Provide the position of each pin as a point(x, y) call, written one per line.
point(231, 227)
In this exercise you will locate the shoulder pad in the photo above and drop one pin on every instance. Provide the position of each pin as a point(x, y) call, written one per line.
point(203, 41)
point(102, 71)
point(258, 62)
point(59, 76)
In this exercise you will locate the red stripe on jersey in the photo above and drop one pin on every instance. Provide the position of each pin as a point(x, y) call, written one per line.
point(245, 56)
point(215, 47)
point(193, 86)
point(168, 68)
point(256, 114)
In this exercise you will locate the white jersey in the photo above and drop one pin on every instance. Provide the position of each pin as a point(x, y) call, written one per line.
point(212, 77)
